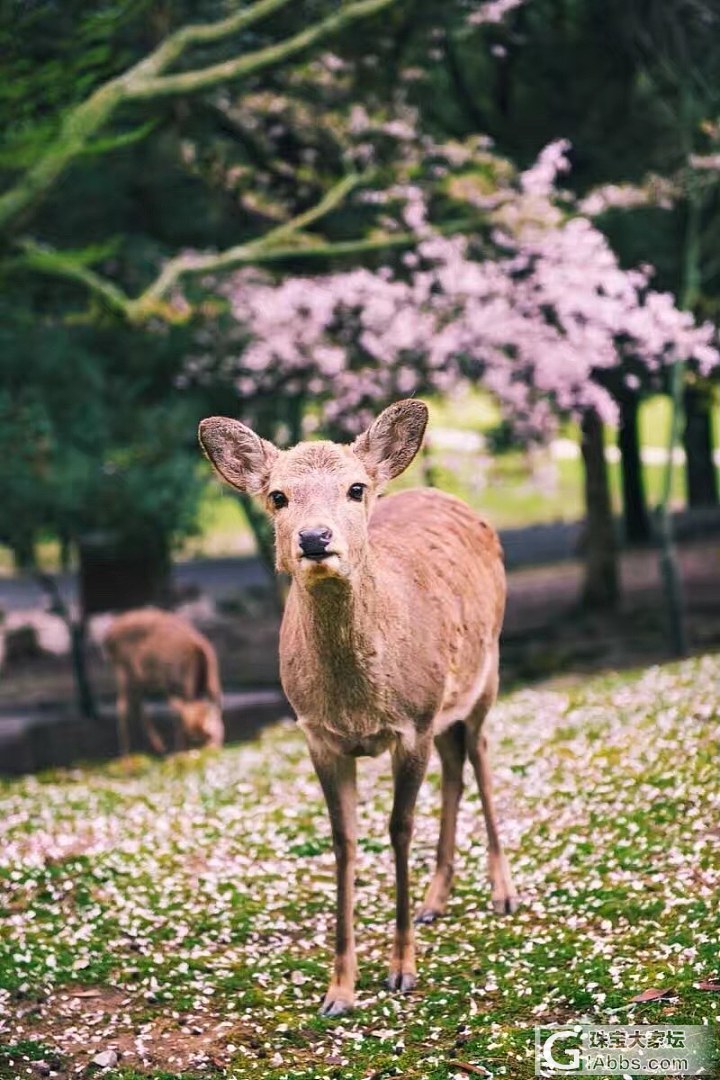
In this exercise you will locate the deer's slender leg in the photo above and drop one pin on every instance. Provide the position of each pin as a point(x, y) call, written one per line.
point(154, 737)
point(451, 747)
point(408, 772)
point(123, 711)
point(504, 894)
point(337, 778)
point(180, 742)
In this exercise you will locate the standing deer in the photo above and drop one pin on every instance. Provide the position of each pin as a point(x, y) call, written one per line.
point(155, 651)
point(389, 641)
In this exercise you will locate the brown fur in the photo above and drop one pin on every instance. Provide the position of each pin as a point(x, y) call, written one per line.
point(388, 643)
point(157, 652)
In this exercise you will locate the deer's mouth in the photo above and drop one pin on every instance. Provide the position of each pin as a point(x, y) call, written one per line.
point(318, 567)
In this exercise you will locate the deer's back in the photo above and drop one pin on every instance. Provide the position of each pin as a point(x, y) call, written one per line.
point(444, 566)
point(159, 650)
point(443, 556)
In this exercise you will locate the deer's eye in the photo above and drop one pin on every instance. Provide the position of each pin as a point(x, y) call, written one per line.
point(356, 492)
point(278, 499)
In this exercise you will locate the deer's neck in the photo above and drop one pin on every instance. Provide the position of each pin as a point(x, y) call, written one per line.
point(337, 660)
point(340, 619)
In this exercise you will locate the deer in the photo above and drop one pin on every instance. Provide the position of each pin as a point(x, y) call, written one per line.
point(156, 651)
point(389, 641)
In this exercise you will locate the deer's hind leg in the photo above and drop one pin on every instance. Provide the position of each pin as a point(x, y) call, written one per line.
point(409, 767)
point(129, 710)
point(504, 894)
point(451, 748)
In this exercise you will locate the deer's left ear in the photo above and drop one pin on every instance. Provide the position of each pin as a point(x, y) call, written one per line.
point(390, 444)
point(241, 457)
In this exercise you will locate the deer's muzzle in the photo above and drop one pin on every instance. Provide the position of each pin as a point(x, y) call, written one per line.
point(314, 542)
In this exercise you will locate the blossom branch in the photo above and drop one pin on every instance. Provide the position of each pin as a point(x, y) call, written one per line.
point(262, 252)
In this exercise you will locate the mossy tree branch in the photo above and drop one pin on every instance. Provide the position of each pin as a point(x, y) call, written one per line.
point(190, 82)
point(265, 251)
point(145, 81)
point(151, 302)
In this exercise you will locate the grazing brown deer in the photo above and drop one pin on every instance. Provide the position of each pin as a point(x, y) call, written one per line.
point(154, 651)
point(389, 641)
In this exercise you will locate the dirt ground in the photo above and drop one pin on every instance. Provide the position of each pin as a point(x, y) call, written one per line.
point(86, 1023)
point(546, 633)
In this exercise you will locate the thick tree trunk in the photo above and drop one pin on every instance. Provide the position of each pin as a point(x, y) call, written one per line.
point(636, 519)
point(700, 473)
point(601, 587)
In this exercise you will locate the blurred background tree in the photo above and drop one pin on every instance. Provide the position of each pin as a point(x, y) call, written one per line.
point(130, 183)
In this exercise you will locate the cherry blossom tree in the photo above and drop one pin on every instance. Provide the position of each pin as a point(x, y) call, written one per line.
point(540, 316)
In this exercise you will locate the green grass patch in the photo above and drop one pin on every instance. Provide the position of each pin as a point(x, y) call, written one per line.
point(188, 903)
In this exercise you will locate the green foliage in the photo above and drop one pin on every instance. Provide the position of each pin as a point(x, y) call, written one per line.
point(94, 435)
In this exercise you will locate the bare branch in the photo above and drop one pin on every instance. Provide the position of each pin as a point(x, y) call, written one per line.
point(144, 81)
point(190, 82)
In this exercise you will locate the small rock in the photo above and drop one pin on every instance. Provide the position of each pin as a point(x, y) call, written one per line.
point(106, 1060)
point(297, 978)
point(276, 1060)
point(42, 1068)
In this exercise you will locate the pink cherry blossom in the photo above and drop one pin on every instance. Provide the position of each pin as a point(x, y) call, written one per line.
point(535, 321)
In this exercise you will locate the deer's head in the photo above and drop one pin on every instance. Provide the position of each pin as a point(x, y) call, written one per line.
point(201, 721)
point(319, 494)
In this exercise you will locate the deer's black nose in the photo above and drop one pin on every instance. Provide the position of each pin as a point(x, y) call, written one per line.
point(315, 541)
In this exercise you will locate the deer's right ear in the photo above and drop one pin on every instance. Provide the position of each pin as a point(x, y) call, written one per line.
point(390, 444)
point(240, 456)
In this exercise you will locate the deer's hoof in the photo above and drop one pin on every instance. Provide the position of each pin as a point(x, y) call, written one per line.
point(335, 1007)
point(404, 981)
point(427, 915)
point(506, 905)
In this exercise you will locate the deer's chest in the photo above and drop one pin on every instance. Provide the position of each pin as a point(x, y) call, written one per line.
point(349, 712)
point(362, 734)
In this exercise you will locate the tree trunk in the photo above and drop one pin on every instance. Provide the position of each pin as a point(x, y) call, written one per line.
point(116, 575)
point(700, 474)
point(262, 531)
point(24, 555)
point(601, 587)
point(77, 627)
point(636, 519)
point(427, 463)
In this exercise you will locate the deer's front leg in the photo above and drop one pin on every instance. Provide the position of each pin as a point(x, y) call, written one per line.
point(408, 771)
point(337, 777)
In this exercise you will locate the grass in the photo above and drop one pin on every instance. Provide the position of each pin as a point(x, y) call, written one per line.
point(180, 911)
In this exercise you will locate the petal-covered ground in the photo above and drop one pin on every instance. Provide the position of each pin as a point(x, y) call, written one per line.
point(174, 918)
